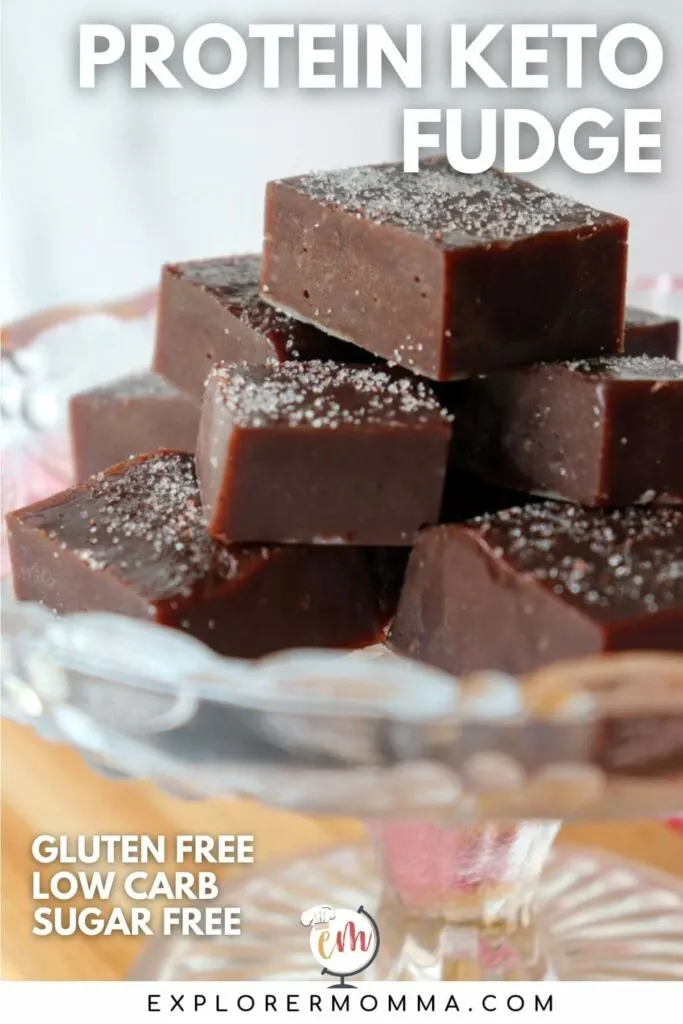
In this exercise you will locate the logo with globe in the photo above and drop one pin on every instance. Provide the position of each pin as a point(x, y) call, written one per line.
point(344, 942)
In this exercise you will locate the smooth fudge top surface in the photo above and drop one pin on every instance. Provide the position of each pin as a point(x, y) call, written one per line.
point(323, 395)
point(135, 385)
point(607, 563)
point(447, 207)
point(235, 281)
point(646, 318)
point(143, 521)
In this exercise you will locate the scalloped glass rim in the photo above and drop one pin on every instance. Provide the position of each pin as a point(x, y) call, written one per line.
point(373, 683)
point(325, 716)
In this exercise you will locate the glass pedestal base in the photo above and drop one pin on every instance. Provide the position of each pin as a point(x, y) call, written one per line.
point(600, 918)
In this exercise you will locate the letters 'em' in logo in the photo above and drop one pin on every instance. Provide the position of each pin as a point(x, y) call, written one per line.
point(344, 942)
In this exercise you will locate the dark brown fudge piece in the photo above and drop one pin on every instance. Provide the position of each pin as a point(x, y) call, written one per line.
point(133, 540)
point(446, 274)
point(131, 416)
point(210, 311)
point(599, 432)
point(320, 453)
point(528, 586)
point(649, 334)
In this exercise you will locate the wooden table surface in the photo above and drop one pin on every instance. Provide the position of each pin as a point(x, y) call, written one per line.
point(48, 789)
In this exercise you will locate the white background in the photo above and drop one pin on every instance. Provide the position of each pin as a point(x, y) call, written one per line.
point(100, 187)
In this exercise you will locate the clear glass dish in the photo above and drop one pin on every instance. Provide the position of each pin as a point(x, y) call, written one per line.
point(463, 782)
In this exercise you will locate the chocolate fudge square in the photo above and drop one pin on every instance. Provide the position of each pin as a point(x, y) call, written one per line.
point(601, 432)
point(524, 587)
point(649, 334)
point(446, 274)
point(134, 541)
point(210, 311)
point(131, 416)
point(320, 453)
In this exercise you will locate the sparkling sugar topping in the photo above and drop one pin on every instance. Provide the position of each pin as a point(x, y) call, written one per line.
point(323, 395)
point(606, 561)
point(455, 209)
point(145, 523)
point(658, 369)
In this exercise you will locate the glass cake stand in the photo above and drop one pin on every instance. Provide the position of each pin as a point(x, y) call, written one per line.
point(463, 783)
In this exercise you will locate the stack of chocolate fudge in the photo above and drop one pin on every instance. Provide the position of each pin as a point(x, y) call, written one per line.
point(434, 371)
